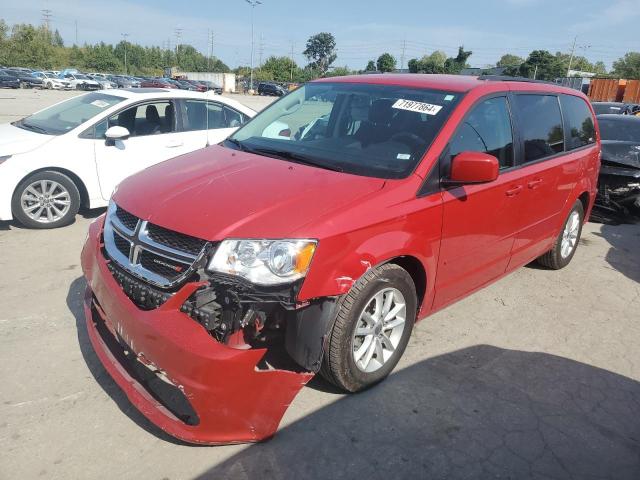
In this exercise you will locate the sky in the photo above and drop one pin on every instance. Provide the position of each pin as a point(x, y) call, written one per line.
point(605, 29)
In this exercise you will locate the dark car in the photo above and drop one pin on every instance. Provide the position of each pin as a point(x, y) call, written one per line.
point(200, 87)
point(212, 86)
point(271, 89)
point(157, 83)
point(618, 197)
point(617, 108)
point(26, 79)
point(8, 81)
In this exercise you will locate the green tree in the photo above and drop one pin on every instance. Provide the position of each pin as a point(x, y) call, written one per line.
point(321, 52)
point(339, 72)
point(599, 68)
point(433, 63)
point(386, 63)
point(282, 69)
point(371, 66)
point(627, 66)
point(457, 63)
point(542, 65)
point(510, 60)
point(57, 39)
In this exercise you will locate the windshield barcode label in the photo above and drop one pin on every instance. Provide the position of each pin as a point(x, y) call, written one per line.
point(417, 107)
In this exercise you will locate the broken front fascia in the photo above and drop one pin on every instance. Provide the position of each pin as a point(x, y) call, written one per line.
point(228, 397)
point(618, 196)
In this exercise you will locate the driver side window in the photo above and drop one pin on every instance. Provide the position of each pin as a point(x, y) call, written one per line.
point(486, 129)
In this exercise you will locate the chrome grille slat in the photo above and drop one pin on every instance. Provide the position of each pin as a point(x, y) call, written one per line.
point(152, 261)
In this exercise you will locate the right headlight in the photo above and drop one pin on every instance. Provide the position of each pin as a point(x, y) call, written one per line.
point(264, 262)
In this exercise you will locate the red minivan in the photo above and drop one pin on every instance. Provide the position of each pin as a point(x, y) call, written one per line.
point(313, 238)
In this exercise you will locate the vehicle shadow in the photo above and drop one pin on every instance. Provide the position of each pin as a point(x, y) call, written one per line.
point(480, 412)
point(75, 299)
point(624, 254)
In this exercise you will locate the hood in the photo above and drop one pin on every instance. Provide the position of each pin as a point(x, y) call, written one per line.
point(218, 193)
point(14, 140)
point(623, 153)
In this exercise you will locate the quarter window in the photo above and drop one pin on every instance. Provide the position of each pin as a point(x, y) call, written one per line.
point(578, 122)
point(540, 125)
point(486, 129)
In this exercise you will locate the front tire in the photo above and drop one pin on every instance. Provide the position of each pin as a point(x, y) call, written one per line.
point(566, 244)
point(46, 199)
point(372, 329)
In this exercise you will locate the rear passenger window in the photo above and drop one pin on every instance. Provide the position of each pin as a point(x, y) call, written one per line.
point(578, 122)
point(486, 129)
point(540, 125)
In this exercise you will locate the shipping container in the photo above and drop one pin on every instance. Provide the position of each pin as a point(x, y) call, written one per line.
point(632, 92)
point(607, 89)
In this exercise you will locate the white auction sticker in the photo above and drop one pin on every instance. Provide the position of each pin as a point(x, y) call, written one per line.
point(100, 103)
point(417, 107)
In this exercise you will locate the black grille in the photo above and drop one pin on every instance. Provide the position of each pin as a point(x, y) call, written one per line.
point(140, 293)
point(128, 220)
point(175, 240)
point(122, 244)
point(168, 268)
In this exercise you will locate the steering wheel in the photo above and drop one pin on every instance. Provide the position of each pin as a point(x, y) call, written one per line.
point(410, 139)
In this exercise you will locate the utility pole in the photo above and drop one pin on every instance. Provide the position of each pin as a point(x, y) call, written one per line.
point(292, 63)
point(211, 36)
point(573, 49)
point(178, 32)
point(261, 51)
point(404, 48)
point(46, 18)
point(76, 32)
point(253, 4)
point(124, 36)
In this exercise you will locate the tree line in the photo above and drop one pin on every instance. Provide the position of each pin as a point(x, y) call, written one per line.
point(37, 47)
point(32, 46)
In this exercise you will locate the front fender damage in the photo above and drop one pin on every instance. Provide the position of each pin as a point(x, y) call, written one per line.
point(196, 380)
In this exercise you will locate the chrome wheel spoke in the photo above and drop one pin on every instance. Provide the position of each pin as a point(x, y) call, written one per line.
point(379, 329)
point(31, 208)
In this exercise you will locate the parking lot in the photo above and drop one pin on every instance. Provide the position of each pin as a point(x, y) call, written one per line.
point(536, 376)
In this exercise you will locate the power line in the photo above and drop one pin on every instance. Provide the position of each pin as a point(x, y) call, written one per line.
point(46, 18)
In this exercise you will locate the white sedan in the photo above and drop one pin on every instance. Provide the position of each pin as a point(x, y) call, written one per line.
point(51, 81)
point(75, 153)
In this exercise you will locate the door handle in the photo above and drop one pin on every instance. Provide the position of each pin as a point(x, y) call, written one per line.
point(514, 191)
point(533, 184)
point(175, 143)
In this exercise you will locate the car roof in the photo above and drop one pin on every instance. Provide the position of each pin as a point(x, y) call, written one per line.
point(616, 117)
point(136, 94)
point(452, 83)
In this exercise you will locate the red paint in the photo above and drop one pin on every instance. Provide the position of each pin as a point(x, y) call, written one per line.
point(474, 167)
point(464, 237)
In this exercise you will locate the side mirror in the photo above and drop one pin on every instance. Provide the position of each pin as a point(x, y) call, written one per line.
point(116, 133)
point(473, 167)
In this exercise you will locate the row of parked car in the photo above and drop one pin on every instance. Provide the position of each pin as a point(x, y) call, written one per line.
point(72, 79)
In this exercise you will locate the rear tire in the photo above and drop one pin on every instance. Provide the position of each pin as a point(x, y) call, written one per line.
point(566, 244)
point(367, 338)
point(46, 199)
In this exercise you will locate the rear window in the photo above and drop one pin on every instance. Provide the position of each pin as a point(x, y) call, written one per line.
point(578, 122)
point(540, 125)
point(623, 129)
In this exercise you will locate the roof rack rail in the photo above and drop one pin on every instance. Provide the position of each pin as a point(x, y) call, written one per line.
point(506, 78)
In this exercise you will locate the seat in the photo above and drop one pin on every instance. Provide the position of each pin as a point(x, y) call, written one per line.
point(377, 128)
point(153, 123)
point(169, 118)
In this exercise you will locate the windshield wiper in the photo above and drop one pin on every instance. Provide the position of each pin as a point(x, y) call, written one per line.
point(29, 126)
point(297, 158)
point(237, 143)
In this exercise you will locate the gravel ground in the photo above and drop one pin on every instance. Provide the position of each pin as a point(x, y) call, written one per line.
point(536, 376)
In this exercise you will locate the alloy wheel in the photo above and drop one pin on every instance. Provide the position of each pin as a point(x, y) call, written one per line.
point(570, 234)
point(379, 330)
point(45, 201)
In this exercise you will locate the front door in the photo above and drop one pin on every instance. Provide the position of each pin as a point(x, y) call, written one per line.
point(479, 221)
point(153, 139)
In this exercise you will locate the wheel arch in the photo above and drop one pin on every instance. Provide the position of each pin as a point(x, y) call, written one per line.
point(416, 270)
point(82, 189)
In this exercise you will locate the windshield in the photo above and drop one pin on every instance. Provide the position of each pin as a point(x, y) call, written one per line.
point(373, 130)
point(67, 115)
point(625, 129)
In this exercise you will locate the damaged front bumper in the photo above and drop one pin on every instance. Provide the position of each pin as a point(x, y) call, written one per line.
point(618, 198)
point(214, 394)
